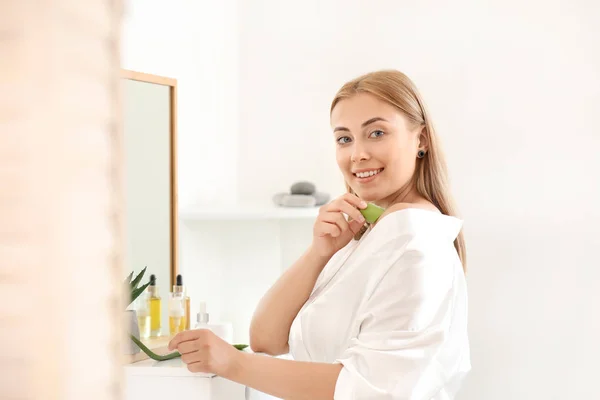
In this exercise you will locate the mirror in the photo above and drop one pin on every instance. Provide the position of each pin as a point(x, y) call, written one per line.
point(149, 145)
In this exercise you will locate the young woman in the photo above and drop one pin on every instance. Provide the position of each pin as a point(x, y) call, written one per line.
point(370, 311)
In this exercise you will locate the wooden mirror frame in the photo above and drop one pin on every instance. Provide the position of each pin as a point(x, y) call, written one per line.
point(172, 84)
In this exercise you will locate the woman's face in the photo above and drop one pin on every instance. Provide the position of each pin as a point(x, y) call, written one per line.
point(376, 147)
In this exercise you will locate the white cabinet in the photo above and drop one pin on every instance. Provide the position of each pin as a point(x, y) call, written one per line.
point(152, 380)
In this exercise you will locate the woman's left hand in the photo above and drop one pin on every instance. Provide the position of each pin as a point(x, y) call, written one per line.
point(203, 351)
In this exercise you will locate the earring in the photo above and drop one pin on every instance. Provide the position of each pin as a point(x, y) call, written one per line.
point(421, 153)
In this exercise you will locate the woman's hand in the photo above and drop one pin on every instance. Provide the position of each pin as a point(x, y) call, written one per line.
point(203, 351)
point(332, 230)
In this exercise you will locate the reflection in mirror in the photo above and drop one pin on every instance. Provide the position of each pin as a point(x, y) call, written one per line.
point(150, 205)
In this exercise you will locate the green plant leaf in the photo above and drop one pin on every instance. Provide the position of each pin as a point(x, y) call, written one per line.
point(170, 356)
point(138, 278)
point(152, 354)
point(135, 293)
point(372, 212)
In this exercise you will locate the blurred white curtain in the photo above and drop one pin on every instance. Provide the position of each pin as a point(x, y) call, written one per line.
point(60, 200)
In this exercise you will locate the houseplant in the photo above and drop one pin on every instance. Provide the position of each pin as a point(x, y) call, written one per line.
point(134, 293)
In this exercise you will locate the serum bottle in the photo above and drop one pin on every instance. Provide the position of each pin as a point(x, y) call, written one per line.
point(223, 330)
point(176, 313)
point(179, 289)
point(143, 315)
point(154, 301)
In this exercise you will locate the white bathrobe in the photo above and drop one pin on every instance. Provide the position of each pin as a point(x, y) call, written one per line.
point(392, 309)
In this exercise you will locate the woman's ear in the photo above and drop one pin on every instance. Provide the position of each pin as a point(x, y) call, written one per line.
point(423, 139)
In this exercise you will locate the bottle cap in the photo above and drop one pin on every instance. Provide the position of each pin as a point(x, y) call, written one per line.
point(178, 287)
point(202, 316)
point(152, 289)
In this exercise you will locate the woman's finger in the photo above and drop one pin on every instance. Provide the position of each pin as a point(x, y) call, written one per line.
point(343, 206)
point(355, 226)
point(189, 358)
point(187, 347)
point(199, 354)
point(198, 367)
point(336, 218)
point(324, 228)
point(185, 336)
point(354, 200)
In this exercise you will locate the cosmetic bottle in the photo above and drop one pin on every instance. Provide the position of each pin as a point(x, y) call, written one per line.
point(176, 313)
point(154, 301)
point(143, 315)
point(179, 289)
point(223, 330)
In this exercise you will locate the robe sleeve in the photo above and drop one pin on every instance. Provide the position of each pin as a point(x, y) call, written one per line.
point(400, 350)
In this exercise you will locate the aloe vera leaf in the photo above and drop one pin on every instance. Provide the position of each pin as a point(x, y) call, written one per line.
point(136, 292)
point(138, 278)
point(372, 212)
point(169, 356)
point(152, 354)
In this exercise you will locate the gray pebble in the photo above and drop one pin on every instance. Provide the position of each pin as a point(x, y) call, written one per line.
point(278, 197)
point(321, 197)
point(303, 187)
point(298, 200)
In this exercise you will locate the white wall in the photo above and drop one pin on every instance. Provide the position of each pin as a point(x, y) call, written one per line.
point(513, 87)
point(514, 90)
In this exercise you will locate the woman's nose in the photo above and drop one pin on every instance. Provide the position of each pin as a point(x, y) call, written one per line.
point(359, 153)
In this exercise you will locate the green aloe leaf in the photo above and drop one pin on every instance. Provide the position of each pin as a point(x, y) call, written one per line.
point(138, 279)
point(372, 212)
point(170, 356)
point(152, 354)
point(137, 292)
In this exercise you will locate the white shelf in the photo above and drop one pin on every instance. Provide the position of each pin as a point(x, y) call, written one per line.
point(233, 213)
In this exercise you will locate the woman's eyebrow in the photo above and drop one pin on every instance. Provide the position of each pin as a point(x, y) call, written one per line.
point(367, 122)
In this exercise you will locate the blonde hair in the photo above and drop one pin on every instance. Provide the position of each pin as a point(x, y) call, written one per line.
point(430, 177)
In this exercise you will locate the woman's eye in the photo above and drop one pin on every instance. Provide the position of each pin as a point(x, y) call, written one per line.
point(343, 140)
point(377, 133)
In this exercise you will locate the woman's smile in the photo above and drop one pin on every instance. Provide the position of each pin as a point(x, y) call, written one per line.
point(366, 175)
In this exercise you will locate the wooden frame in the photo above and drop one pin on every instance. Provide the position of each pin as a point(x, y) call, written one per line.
point(172, 83)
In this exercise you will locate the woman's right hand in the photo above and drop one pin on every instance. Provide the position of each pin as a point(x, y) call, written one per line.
point(332, 231)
